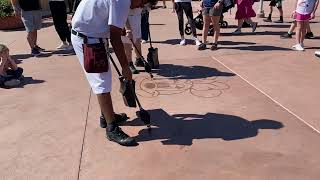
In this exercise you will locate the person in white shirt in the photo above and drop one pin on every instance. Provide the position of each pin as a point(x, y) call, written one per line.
point(59, 15)
point(96, 19)
point(180, 6)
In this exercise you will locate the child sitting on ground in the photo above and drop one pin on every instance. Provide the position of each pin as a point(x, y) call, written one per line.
point(10, 73)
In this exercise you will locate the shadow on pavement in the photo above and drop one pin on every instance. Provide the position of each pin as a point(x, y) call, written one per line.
point(189, 72)
point(20, 57)
point(259, 48)
point(234, 43)
point(26, 81)
point(182, 129)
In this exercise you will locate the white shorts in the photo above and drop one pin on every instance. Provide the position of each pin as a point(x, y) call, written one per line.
point(99, 82)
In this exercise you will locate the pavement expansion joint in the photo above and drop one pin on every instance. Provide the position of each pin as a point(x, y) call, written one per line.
point(264, 93)
point(84, 134)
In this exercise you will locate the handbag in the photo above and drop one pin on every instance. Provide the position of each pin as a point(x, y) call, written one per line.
point(95, 57)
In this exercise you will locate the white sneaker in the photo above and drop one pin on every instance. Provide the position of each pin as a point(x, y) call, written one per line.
point(197, 42)
point(183, 42)
point(143, 42)
point(317, 53)
point(298, 47)
point(63, 46)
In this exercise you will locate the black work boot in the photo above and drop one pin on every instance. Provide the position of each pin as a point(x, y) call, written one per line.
point(268, 19)
point(119, 119)
point(133, 68)
point(280, 20)
point(118, 136)
point(139, 62)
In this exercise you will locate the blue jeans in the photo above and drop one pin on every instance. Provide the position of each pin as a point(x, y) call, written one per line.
point(145, 26)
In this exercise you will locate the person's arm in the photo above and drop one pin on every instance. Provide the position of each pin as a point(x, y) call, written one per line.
point(16, 7)
point(3, 62)
point(173, 6)
point(313, 14)
point(115, 39)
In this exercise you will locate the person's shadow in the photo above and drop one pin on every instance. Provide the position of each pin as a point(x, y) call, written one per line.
point(182, 129)
point(189, 72)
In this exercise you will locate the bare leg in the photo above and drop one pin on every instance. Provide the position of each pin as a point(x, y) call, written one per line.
point(240, 22)
point(128, 51)
point(105, 102)
point(205, 30)
point(138, 45)
point(303, 30)
point(31, 37)
point(308, 28)
point(292, 27)
point(215, 21)
point(298, 32)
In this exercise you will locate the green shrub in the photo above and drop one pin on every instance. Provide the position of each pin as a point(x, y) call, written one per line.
point(5, 8)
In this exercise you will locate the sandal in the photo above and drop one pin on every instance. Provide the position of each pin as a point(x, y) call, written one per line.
point(214, 47)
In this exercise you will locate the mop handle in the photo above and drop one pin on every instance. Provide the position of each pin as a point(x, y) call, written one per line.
point(150, 36)
point(115, 66)
point(136, 97)
point(135, 47)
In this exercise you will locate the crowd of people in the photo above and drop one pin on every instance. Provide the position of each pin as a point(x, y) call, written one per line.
point(125, 24)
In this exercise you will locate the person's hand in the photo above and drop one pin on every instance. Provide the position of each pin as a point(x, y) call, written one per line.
point(126, 73)
point(293, 14)
point(217, 5)
point(173, 8)
point(129, 34)
point(312, 15)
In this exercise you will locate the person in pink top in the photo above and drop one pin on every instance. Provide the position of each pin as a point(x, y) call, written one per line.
point(245, 13)
point(304, 11)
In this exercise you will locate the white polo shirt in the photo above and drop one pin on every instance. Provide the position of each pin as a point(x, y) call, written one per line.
point(93, 17)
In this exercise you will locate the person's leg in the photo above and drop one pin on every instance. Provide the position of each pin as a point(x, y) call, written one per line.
point(179, 12)
point(32, 38)
point(299, 32)
point(187, 7)
point(288, 34)
point(164, 3)
point(206, 25)
point(138, 50)
point(240, 22)
point(64, 22)
point(57, 16)
point(303, 32)
point(308, 28)
point(309, 34)
point(281, 14)
point(215, 21)
point(145, 26)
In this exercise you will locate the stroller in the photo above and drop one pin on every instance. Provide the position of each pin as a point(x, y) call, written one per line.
point(198, 21)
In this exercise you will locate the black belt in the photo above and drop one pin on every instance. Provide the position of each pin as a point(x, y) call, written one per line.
point(78, 34)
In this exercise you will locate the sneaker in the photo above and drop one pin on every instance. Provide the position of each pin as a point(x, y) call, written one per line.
point(279, 21)
point(35, 52)
point(214, 47)
point(309, 35)
point(139, 62)
point(119, 119)
point(63, 46)
point(254, 26)
point(133, 68)
point(317, 53)
point(70, 47)
point(39, 48)
point(118, 136)
point(298, 47)
point(237, 31)
point(182, 42)
point(12, 83)
point(286, 36)
point(198, 43)
point(143, 41)
point(202, 47)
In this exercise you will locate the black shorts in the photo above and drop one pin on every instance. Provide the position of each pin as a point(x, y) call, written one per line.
point(276, 3)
